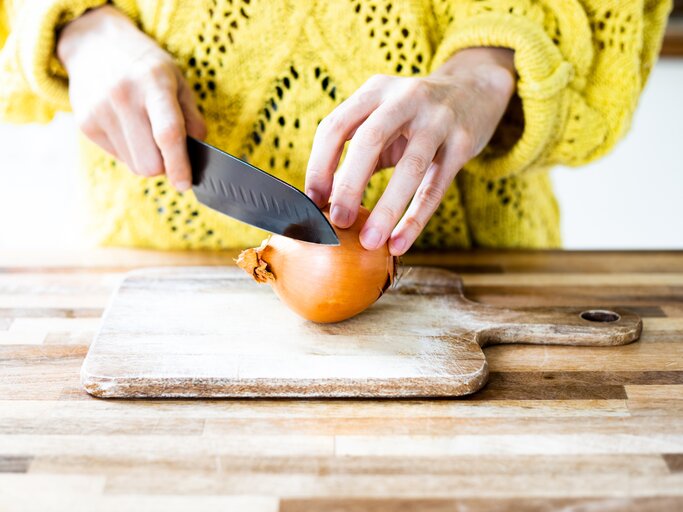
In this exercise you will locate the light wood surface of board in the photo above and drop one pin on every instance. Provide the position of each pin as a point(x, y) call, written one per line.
point(213, 332)
point(555, 428)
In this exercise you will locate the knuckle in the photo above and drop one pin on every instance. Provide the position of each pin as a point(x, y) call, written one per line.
point(416, 88)
point(366, 96)
point(315, 175)
point(429, 196)
point(414, 224)
point(333, 123)
point(443, 117)
point(370, 136)
point(414, 165)
point(394, 110)
point(465, 143)
point(160, 71)
point(387, 211)
point(170, 134)
point(346, 188)
point(122, 90)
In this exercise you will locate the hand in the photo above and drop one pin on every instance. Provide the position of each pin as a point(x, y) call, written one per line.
point(128, 96)
point(428, 127)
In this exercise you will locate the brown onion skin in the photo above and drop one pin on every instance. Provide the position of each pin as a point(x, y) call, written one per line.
point(329, 283)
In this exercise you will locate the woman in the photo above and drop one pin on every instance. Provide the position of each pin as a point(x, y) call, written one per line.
point(501, 89)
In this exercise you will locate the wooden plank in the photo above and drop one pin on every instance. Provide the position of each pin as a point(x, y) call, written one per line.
point(674, 461)
point(11, 313)
point(664, 324)
point(402, 486)
point(107, 260)
point(59, 301)
point(664, 407)
point(22, 499)
point(311, 409)
point(555, 444)
point(45, 325)
point(642, 356)
point(525, 295)
point(649, 504)
point(654, 391)
point(636, 425)
point(20, 486)
point(673, 310)
point(42, 425)
point(462, 465)
point(159, 445)
point(551, 385)
point(14, 464)
point(38, 372)
point(69, 338)
point(510, 261)
point(22, 338)
point(586, 280)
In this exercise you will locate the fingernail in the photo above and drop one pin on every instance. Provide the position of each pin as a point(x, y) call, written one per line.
point(370, 238)
point(183, 186)
point(314, 196)
point(340, 216)
point(398, 245)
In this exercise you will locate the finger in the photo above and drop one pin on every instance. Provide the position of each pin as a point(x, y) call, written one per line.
point(97, 135)
point(447, 162)
point(137, 131)
point(194, 121)
point(409, 173)
point(168, 130)
point(361, 160)
point(111, 125)
point(331, 135)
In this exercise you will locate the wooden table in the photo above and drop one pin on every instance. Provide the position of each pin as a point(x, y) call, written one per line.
point(556, 426)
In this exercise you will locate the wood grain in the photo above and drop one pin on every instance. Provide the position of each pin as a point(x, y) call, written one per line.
point(569, 428)
point(212, 332)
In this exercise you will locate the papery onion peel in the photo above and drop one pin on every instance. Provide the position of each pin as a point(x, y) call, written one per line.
point(323, 283)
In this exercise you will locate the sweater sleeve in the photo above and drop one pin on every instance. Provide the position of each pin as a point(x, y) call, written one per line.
point(581, 67)
point(33, 84)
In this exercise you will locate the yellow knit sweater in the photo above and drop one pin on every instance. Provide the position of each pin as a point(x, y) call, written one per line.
point(266, 73)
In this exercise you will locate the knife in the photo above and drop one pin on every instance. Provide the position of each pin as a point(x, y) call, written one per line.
point(235, 188)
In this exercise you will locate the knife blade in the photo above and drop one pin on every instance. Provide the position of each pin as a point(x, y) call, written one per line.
point(236, 188)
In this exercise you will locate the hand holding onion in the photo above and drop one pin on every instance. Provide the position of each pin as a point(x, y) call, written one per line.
point(323, 283)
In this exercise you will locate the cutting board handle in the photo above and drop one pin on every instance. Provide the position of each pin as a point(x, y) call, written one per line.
point(493, 325)
point(557, 326)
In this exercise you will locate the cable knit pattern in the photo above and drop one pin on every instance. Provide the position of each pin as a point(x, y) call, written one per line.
point(266, 73)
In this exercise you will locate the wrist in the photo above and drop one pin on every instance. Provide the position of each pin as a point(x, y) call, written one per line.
point(491, 68)
point(83, 34)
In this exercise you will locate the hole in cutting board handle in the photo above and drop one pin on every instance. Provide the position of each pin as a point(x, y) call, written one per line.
point(600, 315)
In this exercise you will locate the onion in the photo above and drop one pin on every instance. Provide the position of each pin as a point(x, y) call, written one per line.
point(323, 283)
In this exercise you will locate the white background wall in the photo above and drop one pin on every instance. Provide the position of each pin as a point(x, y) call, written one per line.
point(632, 199)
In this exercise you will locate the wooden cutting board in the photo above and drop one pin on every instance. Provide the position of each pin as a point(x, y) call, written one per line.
point(214, 332)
